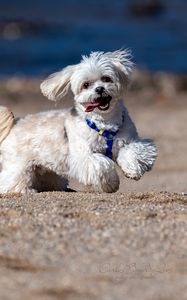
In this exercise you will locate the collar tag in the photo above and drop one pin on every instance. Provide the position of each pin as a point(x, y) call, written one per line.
point(101, 131)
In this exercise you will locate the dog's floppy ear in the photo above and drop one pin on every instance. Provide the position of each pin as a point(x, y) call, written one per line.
point(122, 61)
point(57, 86)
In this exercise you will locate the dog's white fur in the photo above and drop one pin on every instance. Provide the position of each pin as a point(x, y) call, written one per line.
point(44, 149)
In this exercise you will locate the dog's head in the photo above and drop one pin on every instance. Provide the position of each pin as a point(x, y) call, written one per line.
point(96, 83)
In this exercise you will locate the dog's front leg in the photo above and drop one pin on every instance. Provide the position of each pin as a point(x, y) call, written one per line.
point(137, 157)
point(94, 169)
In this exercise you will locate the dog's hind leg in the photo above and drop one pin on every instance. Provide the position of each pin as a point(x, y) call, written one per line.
point(15, 178)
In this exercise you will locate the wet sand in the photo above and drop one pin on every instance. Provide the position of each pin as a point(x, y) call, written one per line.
point(127, 245)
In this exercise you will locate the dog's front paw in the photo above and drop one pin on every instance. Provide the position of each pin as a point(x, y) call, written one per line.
point(105, 176)
point(109, 181)
point(133, 174)
point(97, 171)
point(137, 158)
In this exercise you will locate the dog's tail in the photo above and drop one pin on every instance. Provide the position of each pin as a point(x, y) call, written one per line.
point(6, 122)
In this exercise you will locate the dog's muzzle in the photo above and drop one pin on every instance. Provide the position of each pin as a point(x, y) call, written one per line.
point(102, 103)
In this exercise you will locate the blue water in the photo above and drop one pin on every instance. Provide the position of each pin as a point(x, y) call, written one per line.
point(71, 28)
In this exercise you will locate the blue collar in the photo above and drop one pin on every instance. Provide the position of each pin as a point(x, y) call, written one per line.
point(108, 134)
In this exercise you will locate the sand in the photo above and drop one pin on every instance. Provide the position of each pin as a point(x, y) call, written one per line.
point(91, 246)
point(127, 245)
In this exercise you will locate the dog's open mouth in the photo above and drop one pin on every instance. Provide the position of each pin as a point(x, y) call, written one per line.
point(102, 103)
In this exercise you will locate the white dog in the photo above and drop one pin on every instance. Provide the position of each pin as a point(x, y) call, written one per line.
point(41, 151)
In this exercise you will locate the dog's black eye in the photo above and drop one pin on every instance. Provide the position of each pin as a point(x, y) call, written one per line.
point(86, 85)
point(106, 79)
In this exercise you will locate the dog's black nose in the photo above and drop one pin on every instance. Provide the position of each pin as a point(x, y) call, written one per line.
point(99, 90)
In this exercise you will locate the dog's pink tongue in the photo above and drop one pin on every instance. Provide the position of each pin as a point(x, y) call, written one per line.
point(91, 107)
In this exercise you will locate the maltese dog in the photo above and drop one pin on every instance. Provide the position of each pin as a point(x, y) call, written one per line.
point(85, 140)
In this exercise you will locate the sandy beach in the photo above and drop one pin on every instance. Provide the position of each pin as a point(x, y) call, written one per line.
point(127, 245)
point(91, 246)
